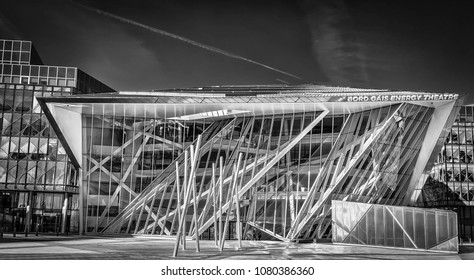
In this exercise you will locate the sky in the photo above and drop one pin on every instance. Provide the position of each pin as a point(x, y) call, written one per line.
point(410, 45)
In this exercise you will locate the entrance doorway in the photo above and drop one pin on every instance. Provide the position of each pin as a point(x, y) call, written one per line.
point(22, 212)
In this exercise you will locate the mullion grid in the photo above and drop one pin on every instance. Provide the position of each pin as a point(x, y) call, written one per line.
point(99, 185)
point(374, 151)
point(111, 160)
point(347, 135)
point(12, 117)
point(421, 132)
point(3, 95)
point(316, 186)
point(134, 166)
point(247, 195)
point(127, 164)
point(237, 150)
point(124, 140)
point(283, 127)
point(89, 201)
point(322, 226)
point(218, 126)
point(265, 177)
point(233, 159)
point(162, 188)
point(411, 144)
point(289, 169)
point(381, 149)
point(251, 214)
point(325, 224)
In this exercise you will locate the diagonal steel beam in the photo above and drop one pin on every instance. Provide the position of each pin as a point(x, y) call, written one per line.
point(166, 177)
point(114, 152)
point(304, 216)
point(267, 167)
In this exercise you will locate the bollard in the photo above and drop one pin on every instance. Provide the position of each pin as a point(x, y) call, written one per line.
point(37, 227)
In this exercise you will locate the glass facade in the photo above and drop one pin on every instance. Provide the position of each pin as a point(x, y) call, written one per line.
point(451, 181)
point(37, 177)
point(392, 226)
point(125, 155)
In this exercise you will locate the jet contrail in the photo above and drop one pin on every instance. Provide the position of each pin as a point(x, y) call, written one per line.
point(177, 37)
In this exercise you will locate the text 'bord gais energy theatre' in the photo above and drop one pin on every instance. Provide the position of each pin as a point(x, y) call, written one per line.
point(306, 162)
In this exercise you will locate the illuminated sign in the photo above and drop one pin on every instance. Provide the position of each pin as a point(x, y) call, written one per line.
point(408, 97)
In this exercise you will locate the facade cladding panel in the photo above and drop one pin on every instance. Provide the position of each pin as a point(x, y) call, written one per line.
point(283, 153)
point(394, 226)
point(38, 183)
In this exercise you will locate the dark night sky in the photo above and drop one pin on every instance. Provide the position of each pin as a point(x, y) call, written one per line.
point(415, 45)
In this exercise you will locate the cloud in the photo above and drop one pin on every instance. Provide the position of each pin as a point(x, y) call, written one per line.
point(335, 45)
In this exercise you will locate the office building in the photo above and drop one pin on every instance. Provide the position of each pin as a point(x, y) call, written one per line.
point(451, 182)
point(38, 183)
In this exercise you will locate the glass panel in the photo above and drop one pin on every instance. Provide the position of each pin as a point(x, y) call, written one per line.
point(398, 212)
point(419, 226)
point(371, 227)
point(362, 230)
point(389, 230)
point(379, 226)
point(442, 227)
point(408, 225)
point(26, 46)
point(430, 230)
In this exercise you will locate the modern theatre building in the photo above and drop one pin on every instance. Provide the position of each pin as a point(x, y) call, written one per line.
point(270, 159)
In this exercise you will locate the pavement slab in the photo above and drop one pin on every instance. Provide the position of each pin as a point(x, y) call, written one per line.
point(161, 248)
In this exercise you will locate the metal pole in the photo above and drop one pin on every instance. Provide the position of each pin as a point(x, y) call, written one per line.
point(195, 162)
point(178, 192)
point(185, 202)
point(238, 227)
point(188, 193)
point(214, 200)
point(182, 223)
point(221, 185)
point(196, 228)
point(178, 202)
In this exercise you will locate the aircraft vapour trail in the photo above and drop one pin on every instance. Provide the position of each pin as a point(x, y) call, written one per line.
point(180, 38)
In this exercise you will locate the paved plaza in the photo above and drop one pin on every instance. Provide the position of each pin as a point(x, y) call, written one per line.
point(161, 248)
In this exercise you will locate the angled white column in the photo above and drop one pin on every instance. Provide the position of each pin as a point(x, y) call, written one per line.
point(267, 167)
point(437, 125)
point(70, 125)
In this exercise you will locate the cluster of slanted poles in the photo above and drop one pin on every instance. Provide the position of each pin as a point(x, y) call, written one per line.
point(188, 189)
